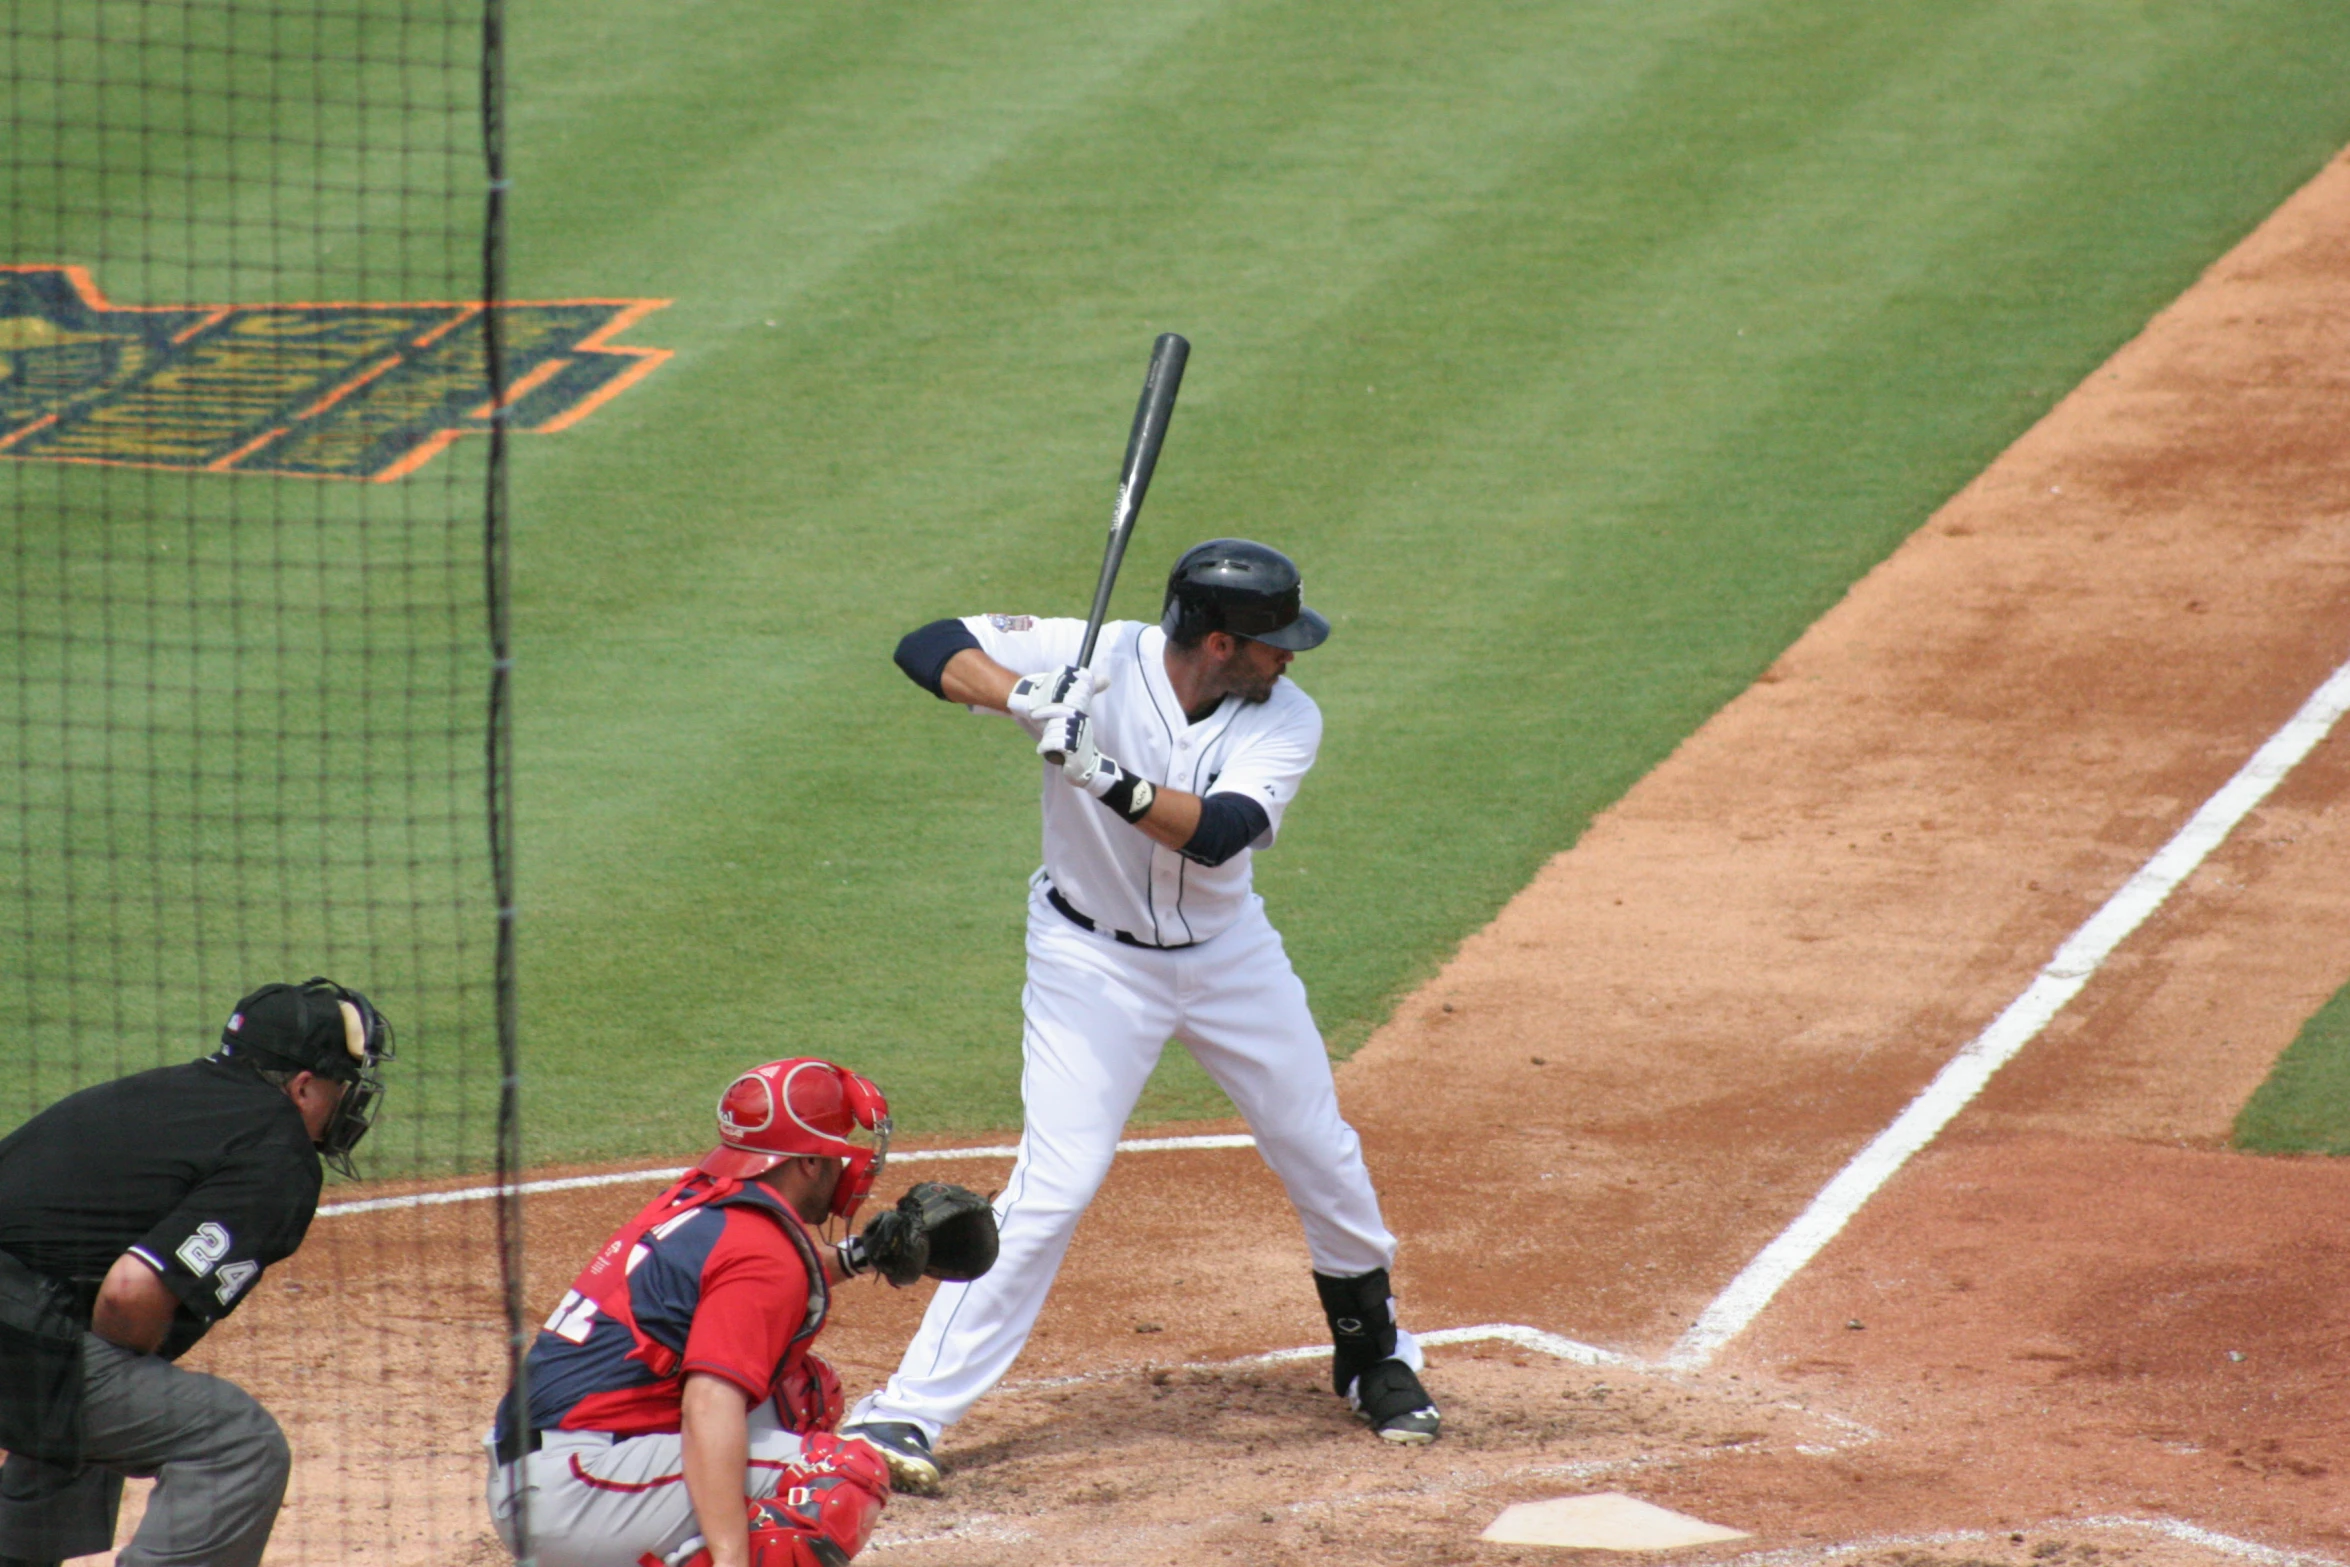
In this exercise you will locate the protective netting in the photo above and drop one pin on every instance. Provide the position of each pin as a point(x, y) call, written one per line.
point(248, 451)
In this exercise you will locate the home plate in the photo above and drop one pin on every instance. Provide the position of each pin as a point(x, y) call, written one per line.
point(1608, 1521)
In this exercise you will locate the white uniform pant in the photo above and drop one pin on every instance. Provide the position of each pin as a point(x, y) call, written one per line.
point(601, 1501)
point(1098, 1014)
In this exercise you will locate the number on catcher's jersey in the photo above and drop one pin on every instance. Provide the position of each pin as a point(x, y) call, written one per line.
point(574, 1315)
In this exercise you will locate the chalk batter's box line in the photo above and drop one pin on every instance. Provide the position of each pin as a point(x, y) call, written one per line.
point(1524, 1337)
point(627, 313)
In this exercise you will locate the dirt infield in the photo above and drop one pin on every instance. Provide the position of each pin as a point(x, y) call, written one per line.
point(2075, 1332)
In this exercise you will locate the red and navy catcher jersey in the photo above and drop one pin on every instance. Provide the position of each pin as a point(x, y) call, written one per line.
point(715, 1275)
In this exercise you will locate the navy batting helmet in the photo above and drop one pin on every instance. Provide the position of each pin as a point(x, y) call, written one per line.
point(1248, 589)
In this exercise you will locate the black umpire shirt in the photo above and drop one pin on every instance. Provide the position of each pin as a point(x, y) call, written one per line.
point(205, 1172)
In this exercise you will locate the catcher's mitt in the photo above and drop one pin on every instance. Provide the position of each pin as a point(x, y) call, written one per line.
point(937, 1229)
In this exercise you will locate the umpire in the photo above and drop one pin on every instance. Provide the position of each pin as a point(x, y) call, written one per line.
point(133, 1216)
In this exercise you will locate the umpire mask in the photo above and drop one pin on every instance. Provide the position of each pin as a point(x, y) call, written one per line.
point(367, 1037)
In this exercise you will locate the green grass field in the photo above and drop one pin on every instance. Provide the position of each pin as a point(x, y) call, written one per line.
point(2304, 1107)
point(1582, 353)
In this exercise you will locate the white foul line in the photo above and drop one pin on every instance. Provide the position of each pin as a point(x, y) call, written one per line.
point(1966, 1073)
point(670, 1172)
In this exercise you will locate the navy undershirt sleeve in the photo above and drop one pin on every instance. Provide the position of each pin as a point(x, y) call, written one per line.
point(1228, 823)
point(924, 654)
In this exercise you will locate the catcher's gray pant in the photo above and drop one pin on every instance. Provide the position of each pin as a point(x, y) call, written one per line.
point(602, 1501)
point(1098, 1014)
point(219, 1463)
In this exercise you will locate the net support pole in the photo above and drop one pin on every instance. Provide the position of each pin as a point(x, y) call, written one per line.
point(499, 741)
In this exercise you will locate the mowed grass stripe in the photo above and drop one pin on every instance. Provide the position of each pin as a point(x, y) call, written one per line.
point(741, 156)
point(1467, 289)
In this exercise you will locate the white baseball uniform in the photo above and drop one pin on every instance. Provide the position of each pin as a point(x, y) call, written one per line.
point(1198, 962)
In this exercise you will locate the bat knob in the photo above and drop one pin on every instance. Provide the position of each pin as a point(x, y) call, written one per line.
point(1056, 758)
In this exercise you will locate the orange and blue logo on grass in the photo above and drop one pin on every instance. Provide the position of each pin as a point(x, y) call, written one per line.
point(314, 391)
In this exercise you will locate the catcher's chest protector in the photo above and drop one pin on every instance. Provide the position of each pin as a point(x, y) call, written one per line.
point(604, 1280)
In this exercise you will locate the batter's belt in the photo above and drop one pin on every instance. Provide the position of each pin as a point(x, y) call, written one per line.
point(1082, 921)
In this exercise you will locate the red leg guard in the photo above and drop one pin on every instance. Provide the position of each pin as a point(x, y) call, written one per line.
point(811, 1400)
point(824, 1507)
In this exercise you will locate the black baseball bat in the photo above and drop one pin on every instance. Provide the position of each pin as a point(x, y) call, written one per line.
point(1157, 406)
point(1159, 386)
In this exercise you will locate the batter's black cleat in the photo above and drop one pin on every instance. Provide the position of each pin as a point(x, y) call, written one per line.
point(911, 1468)
point(1399, 1409)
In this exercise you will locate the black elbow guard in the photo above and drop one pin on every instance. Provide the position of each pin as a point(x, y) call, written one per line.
point(1228, 823)
point(924, 654)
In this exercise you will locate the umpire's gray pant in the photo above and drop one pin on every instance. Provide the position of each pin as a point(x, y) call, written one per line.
point(218, 1460)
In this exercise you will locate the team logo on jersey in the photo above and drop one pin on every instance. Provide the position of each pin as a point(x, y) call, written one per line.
point(314, 391)
point(1011, 622)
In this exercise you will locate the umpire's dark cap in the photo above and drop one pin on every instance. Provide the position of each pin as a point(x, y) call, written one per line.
point(316, 1026)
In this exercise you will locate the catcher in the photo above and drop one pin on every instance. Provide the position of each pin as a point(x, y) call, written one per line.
point(676, 1416)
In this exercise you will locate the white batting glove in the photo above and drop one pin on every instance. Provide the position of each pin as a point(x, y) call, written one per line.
point(1067, 740)
point(1071, 686)
point(1069, 744)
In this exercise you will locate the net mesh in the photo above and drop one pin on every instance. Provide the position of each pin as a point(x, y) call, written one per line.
point(250, 451)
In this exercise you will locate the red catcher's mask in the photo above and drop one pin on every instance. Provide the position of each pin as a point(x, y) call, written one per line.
point(803, 1106)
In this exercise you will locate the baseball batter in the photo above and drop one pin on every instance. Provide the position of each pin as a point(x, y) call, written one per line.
point(1169, 764)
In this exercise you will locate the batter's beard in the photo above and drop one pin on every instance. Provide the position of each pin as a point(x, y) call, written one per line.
point(1257, 694)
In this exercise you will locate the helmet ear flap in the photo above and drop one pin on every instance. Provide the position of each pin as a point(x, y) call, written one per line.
point(864, 1166)
point(1189, 616)
point(866, 1100)
point(1186, 616)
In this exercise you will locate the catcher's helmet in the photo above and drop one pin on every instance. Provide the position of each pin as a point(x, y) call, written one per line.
point(803, 1106)
point(1248, 589)
point(326, 1029)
